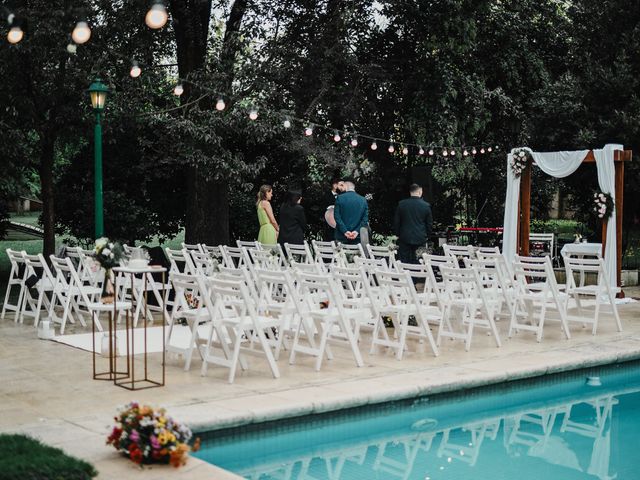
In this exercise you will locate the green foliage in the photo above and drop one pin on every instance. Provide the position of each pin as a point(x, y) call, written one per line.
point(24, 457)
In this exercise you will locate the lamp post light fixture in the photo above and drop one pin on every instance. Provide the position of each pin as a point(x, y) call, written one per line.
point(98, 93)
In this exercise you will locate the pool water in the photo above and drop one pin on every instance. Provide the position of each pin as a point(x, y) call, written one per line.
point(578, 425)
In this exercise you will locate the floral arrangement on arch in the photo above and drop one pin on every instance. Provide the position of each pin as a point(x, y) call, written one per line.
point(519, 161)
point(602, 205)
point(147, 435)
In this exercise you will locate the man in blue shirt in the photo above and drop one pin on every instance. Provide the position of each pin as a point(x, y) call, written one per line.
point(351, 213)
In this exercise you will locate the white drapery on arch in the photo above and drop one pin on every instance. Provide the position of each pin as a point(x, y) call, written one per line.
point(560, 165)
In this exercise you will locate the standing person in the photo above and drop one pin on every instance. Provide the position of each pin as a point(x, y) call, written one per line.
point(293, 222)
point(412, 224)
point(329, 200)
point(351, 213)
point(268, 226)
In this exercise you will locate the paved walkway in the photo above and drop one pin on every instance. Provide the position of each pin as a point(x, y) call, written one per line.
point(46, 388)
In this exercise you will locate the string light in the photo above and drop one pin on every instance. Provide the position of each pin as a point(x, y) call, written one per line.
point(431, 152)
point(253, 114)
point(489, 149)
point(421, 151)
point(135, 70)
point(452, 152)
point(336, 137)
point(157, 16)
point(354, 142)
point(220, 105)
point(391, 148)
point(482, 150)
point(308, 131)
point(286, 123)
point(178, 90)
point(374, 146)
point(445, 153)
point(15, 34)
point(81, 33)
point(473, 151)
point(405, 150)
point(465, 153)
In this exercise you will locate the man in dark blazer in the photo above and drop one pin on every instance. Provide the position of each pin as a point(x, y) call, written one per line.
point(412, 224)
point(329, 200)
point(351, 213)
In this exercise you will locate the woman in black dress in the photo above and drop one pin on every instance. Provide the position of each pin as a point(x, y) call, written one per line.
point(293, 222)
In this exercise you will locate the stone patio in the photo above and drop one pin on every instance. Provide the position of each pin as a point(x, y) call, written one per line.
point(47, 390)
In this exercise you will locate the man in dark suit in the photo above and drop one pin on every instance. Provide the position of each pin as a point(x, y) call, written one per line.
point(412, 224)
point(329, 200)
point(351, 213)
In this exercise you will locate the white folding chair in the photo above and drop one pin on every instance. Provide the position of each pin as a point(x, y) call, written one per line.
point(248, 244)
point(298, 253)
point(177, 261)
point(17, 276)
point(235, 318)
point(357, 296)
point(545, 238)
point(324, 252)
point(36, 265)
point(192, 247)
point(435, 262)
point(386, 253)
point(188, 305)
point(600, 291)
point(459, 252)
point(266, 258)
point(425, 283)
point(346, 253)
point(493, 267)
point(233, 256)
point(399, 301)
point(466, 291)
point(322, 304)
point(536, 292)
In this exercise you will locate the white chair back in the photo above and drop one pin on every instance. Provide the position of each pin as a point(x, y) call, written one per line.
point(17, 276)
point(299, 253)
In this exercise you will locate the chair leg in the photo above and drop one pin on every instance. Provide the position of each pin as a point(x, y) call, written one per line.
point(268, 353)
point(235, 355)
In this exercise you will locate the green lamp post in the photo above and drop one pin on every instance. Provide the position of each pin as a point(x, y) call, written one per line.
point(98, 93)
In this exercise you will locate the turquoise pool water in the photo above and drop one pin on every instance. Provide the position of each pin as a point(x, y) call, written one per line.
point(554, 427)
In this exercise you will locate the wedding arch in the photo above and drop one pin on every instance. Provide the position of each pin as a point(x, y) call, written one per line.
point(517, 211)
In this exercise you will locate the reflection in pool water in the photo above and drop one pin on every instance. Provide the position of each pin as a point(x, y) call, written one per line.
point(558, 427)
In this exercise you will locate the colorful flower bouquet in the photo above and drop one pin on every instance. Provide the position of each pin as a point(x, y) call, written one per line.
point(602, 205)
point(147, 435)
point(519, 161)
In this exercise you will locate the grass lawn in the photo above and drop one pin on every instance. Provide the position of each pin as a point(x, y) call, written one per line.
point(26, 458)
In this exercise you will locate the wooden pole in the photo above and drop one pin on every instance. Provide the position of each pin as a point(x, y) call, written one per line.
point(619, 171)
point(525, 209)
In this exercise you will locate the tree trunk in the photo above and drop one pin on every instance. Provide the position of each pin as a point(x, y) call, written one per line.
point(207, 218)
point(47, 146)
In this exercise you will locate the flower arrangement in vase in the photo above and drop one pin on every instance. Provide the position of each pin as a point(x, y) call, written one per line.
point(148, 435)
point(108, 254)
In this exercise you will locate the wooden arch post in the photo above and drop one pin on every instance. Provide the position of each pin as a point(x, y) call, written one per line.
point(524, 207)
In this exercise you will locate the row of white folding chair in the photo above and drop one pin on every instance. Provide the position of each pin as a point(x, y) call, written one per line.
point(71, 294)
point(38, 297)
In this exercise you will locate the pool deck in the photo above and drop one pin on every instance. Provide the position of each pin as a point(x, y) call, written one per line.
point(46, 388)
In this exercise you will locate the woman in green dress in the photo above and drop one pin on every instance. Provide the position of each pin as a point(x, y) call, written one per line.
point(268, 226)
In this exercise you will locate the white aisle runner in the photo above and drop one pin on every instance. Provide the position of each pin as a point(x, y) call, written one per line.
point(179, 338)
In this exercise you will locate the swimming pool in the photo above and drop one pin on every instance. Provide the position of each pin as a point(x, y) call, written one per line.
point(577, 425)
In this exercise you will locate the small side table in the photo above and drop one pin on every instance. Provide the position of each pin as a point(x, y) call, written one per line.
point(131, 382)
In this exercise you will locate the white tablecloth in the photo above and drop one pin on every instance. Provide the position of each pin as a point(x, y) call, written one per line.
point(591, 249)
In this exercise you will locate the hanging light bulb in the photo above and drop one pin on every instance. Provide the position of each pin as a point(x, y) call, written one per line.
point(482, 150)
point(135, 70)
point(431, 152)
point(452, 153)
point(405, 151)
point(81, 33)
point(465, 153)
point(15, 34)
point(391, 148)
point(445, 153)
point(354, 142)
point(220, 105)
point(473, 151)
point(286, 123)
point(308, 131)
point(374, 146)
point(178, 90)
point(489, 149)
point(253, 114)
point(421, 151)
point(336, 137)
point(157, 16)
